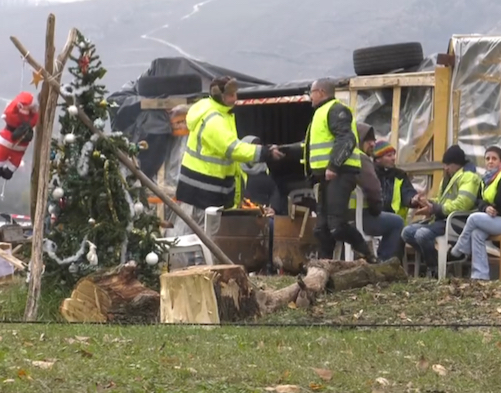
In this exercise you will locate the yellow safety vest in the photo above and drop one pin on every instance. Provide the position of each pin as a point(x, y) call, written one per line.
point(213, 153)
point(489, 193)
point(396, 202)
point(321, 139)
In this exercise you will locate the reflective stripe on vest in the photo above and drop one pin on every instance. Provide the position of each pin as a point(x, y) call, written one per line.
point(489, 193)
point(321, 141)
point(197, 153)
point(396, 202)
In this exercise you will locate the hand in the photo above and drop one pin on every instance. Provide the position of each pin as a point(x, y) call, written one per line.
point(491, 211)
point(425, 210)
point(329, 175)
point(419, 198)
point(275, 153)
point(269, 212)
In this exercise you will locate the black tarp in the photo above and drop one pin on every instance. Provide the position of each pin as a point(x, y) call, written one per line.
point(154, 126)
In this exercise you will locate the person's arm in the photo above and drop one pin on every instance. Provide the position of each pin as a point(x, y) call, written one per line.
point(465, 201)
point(408, 192)
point(223, 140)
point(339, 121)
point(368, 181)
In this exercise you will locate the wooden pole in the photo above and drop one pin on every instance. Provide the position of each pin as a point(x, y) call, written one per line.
point(49, 98)
point(145, 180)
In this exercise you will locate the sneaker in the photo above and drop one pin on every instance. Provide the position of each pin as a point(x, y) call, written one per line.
point(453, 258)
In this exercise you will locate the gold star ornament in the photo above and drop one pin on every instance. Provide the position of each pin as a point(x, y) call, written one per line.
point(37, 78)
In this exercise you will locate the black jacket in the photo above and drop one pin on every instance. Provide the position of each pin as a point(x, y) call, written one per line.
point(261, 188)
point(387, 179)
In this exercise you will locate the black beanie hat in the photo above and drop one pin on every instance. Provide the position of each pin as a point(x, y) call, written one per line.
point(454, 155)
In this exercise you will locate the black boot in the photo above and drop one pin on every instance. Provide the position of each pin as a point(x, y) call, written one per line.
point(349, 234)
point(327, 244)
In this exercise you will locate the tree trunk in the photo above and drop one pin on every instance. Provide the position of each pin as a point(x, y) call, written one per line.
point(207, 294)
point(333, 275)
point(113, 295)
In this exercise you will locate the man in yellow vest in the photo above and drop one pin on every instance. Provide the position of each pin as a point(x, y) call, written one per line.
point(214, 151)
point(333, 160)
point(398, 192)
point(457, 192)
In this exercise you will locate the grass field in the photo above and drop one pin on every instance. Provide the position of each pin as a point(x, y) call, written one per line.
point(88, 358)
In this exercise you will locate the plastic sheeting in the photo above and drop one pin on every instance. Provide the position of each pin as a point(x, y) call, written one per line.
point(476, 83)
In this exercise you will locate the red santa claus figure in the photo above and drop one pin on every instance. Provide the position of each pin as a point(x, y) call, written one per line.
point(20, 116)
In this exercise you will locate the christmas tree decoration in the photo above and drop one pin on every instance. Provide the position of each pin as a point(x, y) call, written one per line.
point(58, 193)
point(98, 228)
point(152, 259)
point(73, 110)
point(138, 208)
point(37, 78)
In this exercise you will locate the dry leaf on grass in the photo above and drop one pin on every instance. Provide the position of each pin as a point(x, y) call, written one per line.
point(382, 381)
point(284, 389)
point(43, 364)
point(292, 305)
point(358, 314)
point(315, 386)
point(423, 364)
point(10, 380)
point(324, 374)
point(439, 369)
point(78, 339)
point(498, 310)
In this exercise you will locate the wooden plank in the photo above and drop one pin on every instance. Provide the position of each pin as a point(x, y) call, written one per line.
point(353, 101)
point(422, 167)
point(162, 103)
point(456, 103)
point(395, 116)
point(440, 119)
point(420, 145)
point(391, 80)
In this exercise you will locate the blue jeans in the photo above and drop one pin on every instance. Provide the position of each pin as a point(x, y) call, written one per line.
point(422, 238)
point(478, 228)
point(389, 226)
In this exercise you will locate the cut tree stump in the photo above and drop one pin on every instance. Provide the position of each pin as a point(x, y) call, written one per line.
point(207, 294)
point(113, 295)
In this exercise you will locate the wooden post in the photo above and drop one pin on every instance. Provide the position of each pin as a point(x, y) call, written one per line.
point(353, 101)
point(161, 184)
point(145, 180)
point(456, 105)
point(395, 116)
point(440, 119)
point(42, 177)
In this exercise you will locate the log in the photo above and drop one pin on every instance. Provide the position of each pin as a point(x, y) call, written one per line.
point(332, 275)
point(112, 295)
point(207, 294)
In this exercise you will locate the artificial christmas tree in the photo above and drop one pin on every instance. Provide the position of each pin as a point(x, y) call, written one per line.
point(98, 212)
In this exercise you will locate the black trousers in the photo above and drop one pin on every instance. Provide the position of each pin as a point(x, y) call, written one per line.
point(333, 218)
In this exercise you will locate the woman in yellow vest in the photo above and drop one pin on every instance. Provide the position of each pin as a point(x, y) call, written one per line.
point(485, 223)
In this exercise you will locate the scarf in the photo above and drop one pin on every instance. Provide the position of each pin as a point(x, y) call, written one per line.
point(489, 176)
point(253, 168)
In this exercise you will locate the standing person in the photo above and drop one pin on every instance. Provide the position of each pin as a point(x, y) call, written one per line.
point(376, 221)
point(332, 155)
point(214, 151)
point(457, 192)
point(398, 192)
point(487, 222)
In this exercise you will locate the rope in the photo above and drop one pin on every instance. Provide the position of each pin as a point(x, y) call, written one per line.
point(331, 325)
point(22, 70)
point(3, 190)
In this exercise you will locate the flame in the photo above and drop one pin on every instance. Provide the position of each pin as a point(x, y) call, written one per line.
point(248, 204)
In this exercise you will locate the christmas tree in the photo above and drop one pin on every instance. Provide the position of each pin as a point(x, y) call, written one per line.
point(98, 214)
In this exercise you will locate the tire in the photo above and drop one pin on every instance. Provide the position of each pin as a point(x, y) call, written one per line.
point(385, 58)
point(163, 86)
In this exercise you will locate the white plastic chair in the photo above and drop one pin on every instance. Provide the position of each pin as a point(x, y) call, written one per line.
point(442, 242)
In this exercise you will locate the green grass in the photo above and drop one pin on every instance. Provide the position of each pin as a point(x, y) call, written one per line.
point(92, 358)
point(231, 359)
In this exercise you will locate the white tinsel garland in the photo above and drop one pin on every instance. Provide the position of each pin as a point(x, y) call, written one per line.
point(50, 248)
point(83, 161)
point(123, 256)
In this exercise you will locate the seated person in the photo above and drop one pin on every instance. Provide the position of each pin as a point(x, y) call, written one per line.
point(458, 191)
point(375, 221)
point(485, 223)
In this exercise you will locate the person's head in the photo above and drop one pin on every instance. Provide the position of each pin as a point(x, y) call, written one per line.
point(322, 90)
point(224, 90)
point(454, 159)
point(493, 158)
point(385, 154)
point(367, 138)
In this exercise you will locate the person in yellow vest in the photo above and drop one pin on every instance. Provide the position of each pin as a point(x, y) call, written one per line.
point(485, 223)
point(376, 221)
point(457, 192)
point(214, 151)
point(398, 192)
point(332, 158)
